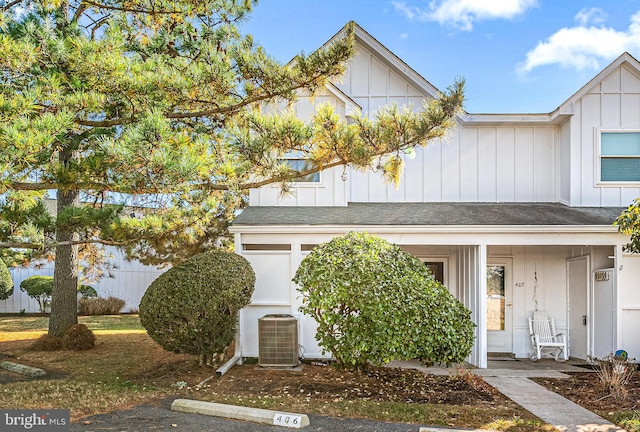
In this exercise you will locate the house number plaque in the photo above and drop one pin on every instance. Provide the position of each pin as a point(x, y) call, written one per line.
point(602, 276)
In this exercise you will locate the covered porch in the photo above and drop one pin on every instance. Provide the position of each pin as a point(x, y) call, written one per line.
point(545, 260)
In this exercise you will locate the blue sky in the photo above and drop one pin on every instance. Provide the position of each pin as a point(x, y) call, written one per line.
point(517, 56)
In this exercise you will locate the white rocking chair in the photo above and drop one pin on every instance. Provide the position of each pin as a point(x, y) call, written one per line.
point(544, 339)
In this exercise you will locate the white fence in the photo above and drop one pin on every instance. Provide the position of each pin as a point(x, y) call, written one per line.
point(130, 281)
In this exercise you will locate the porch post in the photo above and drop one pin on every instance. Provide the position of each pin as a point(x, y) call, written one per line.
point(481, 306)
point(237, 248)
point(617, 289)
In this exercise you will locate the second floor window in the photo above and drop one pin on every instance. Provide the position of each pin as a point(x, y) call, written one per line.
point(297, 162)
point(620, 157)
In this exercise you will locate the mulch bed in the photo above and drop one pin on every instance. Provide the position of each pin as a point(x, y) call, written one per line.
point(586, 390)
point(376, 384)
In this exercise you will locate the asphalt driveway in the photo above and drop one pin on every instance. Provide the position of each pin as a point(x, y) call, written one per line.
point(159, 417)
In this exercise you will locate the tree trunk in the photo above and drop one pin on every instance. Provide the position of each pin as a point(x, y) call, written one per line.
point(64, 295)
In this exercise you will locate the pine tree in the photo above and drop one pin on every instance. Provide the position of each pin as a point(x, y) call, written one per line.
point(144, 118)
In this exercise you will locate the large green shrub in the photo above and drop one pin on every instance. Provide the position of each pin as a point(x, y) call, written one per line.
point(192, 307)
point(375, 303)
point(6, 283)
point(40, 288)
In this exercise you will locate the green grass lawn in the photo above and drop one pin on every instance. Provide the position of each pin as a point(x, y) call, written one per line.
point(26, 327)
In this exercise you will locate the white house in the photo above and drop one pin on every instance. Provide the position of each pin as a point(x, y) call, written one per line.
point(513, 213)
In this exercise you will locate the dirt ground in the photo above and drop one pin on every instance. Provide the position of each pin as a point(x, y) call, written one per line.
point(375, 384)
point(586, 390)
point(137, 359)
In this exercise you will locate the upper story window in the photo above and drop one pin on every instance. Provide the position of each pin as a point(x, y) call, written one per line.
point(297, 162)
point(619, 157)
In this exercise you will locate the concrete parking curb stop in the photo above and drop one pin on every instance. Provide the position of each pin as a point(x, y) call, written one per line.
point(255, 415)
point(22, 369)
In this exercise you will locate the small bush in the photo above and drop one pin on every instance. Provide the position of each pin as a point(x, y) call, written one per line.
point(78, 338)
point(100, 305)
point(47, 343)
point(41, 287)
point(614, 372)
point(87, 291)
point(6, 283)
point(192, 307)
point(629, 420)
point(375, 303)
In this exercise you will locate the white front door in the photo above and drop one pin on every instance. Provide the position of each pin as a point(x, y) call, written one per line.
point(499, 307)
point(578, 281)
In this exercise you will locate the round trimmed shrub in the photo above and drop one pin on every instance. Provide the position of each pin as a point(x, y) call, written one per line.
point(192, 307)
point(6, 283)
point(375, 303)
point(39, 288)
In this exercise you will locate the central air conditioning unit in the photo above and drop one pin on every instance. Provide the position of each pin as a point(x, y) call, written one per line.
point(278, 341)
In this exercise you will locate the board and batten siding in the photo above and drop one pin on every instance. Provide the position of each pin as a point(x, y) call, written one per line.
point(611, 104)
point(476, 164)
point(486, 161)
point(373, 84)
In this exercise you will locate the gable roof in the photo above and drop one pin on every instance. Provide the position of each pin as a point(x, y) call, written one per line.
point(371, 44)
point(560, 114)
point(432, 214)
point(565, 110)
point(624, 59)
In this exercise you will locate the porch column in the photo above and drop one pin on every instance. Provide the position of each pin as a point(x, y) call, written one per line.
point(481, 308)
point(618, 290)
point(472, 289)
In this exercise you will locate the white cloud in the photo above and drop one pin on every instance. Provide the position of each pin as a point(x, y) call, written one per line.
point(404, 36)
point(463, 13)
point(583, 47)
point(591, 16)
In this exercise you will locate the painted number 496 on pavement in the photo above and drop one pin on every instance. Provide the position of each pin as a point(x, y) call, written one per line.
point(287, 420)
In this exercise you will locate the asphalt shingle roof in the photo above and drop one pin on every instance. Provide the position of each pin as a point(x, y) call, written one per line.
point(431, 214)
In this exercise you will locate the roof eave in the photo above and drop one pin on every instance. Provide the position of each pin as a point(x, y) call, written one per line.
point(467, 229)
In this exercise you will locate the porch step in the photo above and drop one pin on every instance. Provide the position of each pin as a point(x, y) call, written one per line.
point(505, 355)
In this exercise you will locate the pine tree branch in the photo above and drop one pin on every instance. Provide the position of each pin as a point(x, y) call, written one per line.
point(243, 103)
point(53, 245)
point(195, 114)
point(104, 123)
point(288, 177)
point(32, 186)
point(21, 245)
point(132, 10)
point(10, 5)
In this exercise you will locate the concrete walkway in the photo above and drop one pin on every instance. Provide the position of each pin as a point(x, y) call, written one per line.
point(549, 406)
point(511, 378)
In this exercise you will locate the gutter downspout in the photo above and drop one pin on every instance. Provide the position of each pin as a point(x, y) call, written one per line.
point(237, 356)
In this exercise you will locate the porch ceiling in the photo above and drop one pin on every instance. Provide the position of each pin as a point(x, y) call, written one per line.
point(432, 214)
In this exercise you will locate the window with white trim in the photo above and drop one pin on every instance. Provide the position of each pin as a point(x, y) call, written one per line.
point(619, 157)
point(297, 162)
